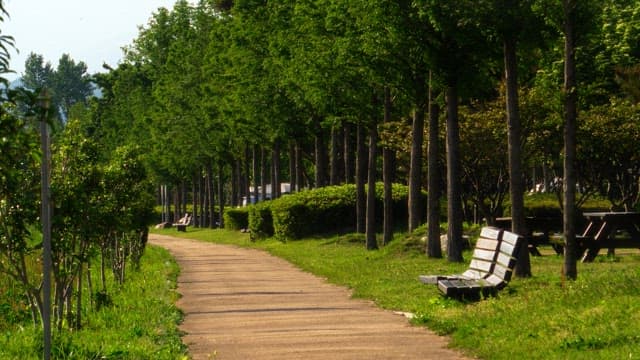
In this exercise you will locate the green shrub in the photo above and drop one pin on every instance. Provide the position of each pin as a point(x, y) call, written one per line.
point(260, 220)
point(329, 209)
point(236, 218)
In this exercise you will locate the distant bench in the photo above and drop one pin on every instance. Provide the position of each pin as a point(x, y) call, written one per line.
point(490, 269)
point(182, 224)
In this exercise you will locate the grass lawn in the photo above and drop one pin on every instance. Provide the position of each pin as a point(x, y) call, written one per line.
point(542, 317)
point(140, 323)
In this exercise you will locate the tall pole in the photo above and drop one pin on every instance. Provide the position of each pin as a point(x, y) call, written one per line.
point(46, 224)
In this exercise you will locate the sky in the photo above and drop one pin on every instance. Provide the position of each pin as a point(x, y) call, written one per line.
point(92, 31)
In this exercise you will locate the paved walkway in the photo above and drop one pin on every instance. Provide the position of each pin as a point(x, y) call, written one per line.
point(246, 304)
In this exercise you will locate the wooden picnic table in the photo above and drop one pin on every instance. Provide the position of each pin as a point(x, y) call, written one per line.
point(610, 230)
point(538, 231)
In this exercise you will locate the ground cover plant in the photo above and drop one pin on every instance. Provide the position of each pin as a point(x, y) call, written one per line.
point(543, 317)
point(138, 321)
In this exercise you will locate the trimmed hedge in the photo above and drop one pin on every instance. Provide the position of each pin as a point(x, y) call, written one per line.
point(325, 210)
point(260, 220)
point(236, 218)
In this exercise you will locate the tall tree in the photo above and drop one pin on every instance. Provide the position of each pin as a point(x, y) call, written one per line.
point(37, 74)
point(510, 31)
point(71, 84)
point(570, 118)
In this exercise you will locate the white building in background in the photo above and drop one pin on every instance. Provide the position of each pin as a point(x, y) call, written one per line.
point(285, 188)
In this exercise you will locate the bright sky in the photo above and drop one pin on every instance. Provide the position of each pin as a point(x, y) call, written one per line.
point(93, 31)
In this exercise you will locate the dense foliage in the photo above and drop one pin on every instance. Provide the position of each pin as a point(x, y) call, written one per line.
point(222, 101)
point(325, 210)
point(222, 95)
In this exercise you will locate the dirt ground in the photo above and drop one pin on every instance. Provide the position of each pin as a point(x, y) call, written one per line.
point(247, 304)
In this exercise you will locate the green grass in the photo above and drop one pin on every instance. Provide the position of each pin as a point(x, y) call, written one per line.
point(543, 317)
point(141, 322)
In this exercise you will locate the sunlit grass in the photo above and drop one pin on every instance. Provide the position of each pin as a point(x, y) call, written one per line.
point(543, 317)
point(141, 323)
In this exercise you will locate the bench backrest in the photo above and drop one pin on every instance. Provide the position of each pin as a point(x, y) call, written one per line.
point(505, 260)
point(484, 256)
point(185, 220)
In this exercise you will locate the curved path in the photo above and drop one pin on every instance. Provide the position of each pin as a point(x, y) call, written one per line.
point(246, 304)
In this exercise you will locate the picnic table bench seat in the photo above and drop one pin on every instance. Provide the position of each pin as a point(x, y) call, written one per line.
point(489, 271)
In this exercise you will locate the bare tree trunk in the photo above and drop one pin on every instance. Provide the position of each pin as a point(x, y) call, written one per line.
point(454, 188)
point(275, 187)
point(89, 285)
point(415, 171)
point(177, 205)
point(78, 315)
point(361, 163)
point(388, 165)
point(256, 172)
point(221, 194)
point(334, 158)
point(235, 182)
point(195, 200)
point(263, 172)
point(434, 248)
point(245, 175)
point(372, 243)
point(570, 269)
point(348, 154)
point(299, 177)
point(292, 166)
point(516, 181)
point(103, 274)
point(211, 208)
point(321, 155)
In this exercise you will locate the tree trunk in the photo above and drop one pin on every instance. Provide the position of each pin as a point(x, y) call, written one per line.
point(388, 165)
point(256, 172)
point(195, 200)
point(292, 166)
point(275, 183)
point(163, 201)
point(263, 172)
point(335, 159)
point(211, 208)
point(361, 164)
point(321, 155)
point(434, 248)
point(348, 154)
point(78, 315)
point(246, 182)
point(570, 118)
point(516, 179)
point(235, 182)
point(372, 243)
point(454, 188)
point(415, 171)
point(299, 177)
point(220, 195)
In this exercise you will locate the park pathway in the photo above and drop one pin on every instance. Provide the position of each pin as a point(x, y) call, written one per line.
point(244, 304)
